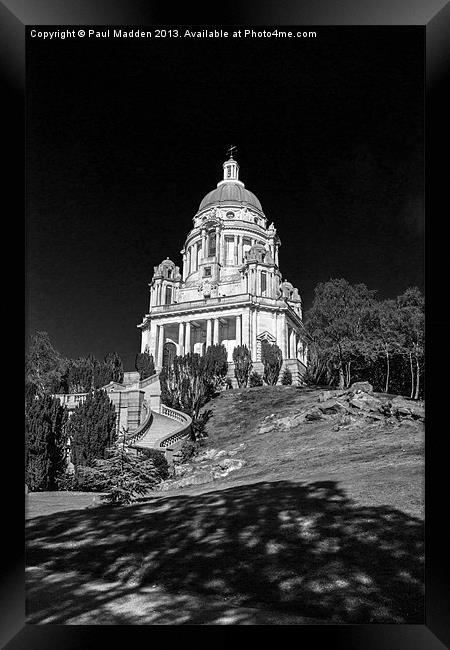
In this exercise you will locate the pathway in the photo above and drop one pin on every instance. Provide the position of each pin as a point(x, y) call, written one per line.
point(160, 427)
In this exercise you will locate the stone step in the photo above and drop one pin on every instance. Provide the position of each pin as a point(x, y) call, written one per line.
point(160, 427)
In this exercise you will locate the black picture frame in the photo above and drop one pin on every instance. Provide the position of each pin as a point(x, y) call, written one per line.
point(15, 16)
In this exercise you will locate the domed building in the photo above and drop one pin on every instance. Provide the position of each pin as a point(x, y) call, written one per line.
point(230, 289)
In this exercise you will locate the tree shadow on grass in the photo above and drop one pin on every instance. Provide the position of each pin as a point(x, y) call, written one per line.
point(295, 549)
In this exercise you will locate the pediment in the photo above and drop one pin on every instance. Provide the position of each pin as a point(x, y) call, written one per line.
point(266, 336)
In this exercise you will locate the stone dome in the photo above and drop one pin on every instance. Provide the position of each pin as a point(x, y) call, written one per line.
point(231, 192)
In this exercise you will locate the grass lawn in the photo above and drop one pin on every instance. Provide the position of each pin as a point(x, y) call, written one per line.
point(38, 504)
point(319, 526)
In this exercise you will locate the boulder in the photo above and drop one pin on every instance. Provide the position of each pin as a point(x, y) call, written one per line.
point(366, 402)
point(266, 428)
point(403, 407)
point(228, 465)
point(198, 478)
point(183, 469)
point(220, 453)
point(331, 407)
point(285, 423)
point(206, 455)
point(329, 394)
point(308, 415)
point(313, 415)
point(236, 450)
point(231, 464)
point(363, 386)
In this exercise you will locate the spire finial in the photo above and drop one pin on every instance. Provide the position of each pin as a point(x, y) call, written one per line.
point(230, 151)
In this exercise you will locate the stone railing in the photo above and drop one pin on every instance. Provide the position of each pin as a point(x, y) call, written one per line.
point(149, 380)
point(71, 400)
point(132, 437)
point(180, 432)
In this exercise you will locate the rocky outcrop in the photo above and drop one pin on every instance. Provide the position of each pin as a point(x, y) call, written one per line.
point(206, 467)
point(357, 404)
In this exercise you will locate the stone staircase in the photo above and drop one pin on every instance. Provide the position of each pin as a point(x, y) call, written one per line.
point(161, 427)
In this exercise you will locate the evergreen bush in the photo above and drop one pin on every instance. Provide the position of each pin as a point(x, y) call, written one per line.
point(272, 359)
point(159, 461)
point(286, 378)
point(45, 442)
point(126, 477)
point(242, 365)
point(255, 379)
point(92, 429)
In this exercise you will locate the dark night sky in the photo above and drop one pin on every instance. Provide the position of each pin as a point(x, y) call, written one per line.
point(126, 137)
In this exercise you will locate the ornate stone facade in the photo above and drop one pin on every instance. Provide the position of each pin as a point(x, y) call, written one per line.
point(230, 289)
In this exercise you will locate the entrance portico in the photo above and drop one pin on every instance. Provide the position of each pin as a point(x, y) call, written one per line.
point(195, 334)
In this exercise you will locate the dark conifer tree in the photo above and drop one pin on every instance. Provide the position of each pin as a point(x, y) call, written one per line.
point(45, 442)
point(144, 364)
point(92, 429)
point(272, 359)
point(242, 365)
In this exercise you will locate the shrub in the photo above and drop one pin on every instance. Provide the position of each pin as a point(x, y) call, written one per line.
point(66, 482)
point(88, 479)
point(126, 477)
point(255, 379)
point(286, 379)
point(159, 461)
point(45, 442)
point(92, 429)
point(242, 365)
point(228, 384)
point(192, 379)
point(198, 429)
point(189, 449)
point(144, 364)
point(272, 359)
point(215, 366)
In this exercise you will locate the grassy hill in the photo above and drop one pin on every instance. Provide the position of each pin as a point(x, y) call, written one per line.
point(320, 522)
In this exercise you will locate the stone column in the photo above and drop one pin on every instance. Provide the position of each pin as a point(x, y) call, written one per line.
point(208, 332)
point(181, 339)
point(238, 330)
point(235, 249)
point(241, 250)
point(217, 244)
point(292, 355)
point(203, 244)
point(282, 330)
point(223, 261)
point(254, 333)
point(160, 344)
point(276, 256)
point(216, 324)
point(187, 346)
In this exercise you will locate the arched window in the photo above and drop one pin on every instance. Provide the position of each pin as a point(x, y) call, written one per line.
point(263, 283)
point(212, 244)
point(168, 300)
point(169, 353)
